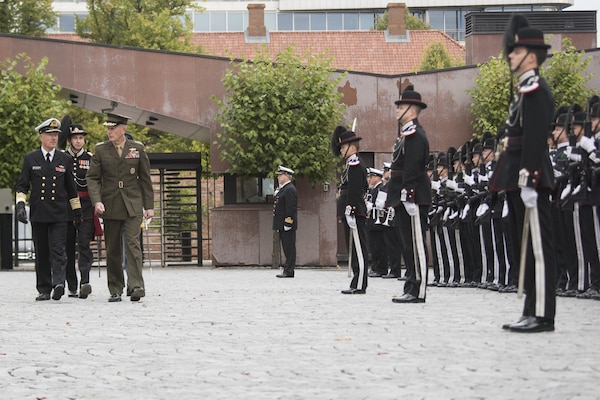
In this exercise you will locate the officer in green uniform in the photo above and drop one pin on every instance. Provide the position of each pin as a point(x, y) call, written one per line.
point(121, 191)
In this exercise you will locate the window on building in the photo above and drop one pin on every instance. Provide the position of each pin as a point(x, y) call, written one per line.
point(318, 22)
point(350, 21)
point(271, 21)
point(335, 22)
point(218, 21)
point(367, 21)
point(201, 22)
point(248, 189)
point(285, 22)
point(237, 21)
point(301, 21)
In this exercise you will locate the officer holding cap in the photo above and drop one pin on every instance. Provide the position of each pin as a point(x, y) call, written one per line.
point(48, 173)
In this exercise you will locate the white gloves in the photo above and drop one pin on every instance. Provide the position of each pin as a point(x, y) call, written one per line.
point(446, 214)
point(465, 211)
point(565, 192)
point(587, 144)
point(482, 209)
point(411, 208)
point(483, 178)
point(529, 196)
point(350, 219)
point(469, 180)
point(287, 228)
point(436, 185)
point(380, 200)
point(557, 173)
point(451, 184)
point(571, 156)
point(369, 207)
point(505, 209)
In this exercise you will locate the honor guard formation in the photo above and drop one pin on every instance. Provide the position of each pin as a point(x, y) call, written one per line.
point(514, 211)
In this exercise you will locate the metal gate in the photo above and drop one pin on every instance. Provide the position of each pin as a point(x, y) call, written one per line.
point(174, 236)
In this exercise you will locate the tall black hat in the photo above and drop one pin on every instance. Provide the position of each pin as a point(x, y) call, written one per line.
point(409, 96)
point(595, 111)
point(579, 118)
point(442, 159)
point(340, 136)
point(519, 33)
point(488, 141)
point(76, 129)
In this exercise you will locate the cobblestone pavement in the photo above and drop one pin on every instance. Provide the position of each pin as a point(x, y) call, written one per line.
point(205, 333)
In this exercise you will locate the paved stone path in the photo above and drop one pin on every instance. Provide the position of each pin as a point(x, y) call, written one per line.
point(204, 333)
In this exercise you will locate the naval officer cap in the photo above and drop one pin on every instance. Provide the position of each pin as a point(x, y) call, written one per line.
point(115, 119)
point(284, 170)
point(387, 166)
point(374, 172)
point(51, 125)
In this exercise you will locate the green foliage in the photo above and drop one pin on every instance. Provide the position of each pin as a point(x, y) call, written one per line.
point(565, 73)
point(27, 17)
point(149, 24)
point(436, 57)
point(26, 100)
point(412, 22)
point(490, 96)
point(280, 112)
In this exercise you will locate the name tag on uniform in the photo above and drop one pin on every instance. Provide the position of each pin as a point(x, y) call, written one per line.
point(36, 167)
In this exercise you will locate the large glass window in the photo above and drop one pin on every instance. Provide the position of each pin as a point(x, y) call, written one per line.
point(318, 22)
point(249, 189)
point(218, 21)
point(334, 22)
point(271, 21)
point(351, 21)
point(201, 22)
point(236, 22)
point(301, 21)
point(367, 21)
point(285, 21)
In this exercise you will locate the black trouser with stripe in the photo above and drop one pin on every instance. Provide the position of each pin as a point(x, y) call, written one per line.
point(540, 266)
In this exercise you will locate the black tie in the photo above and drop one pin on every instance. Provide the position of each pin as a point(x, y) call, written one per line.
point(48, 157)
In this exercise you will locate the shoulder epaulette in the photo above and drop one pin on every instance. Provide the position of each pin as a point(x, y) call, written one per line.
point(409, 129)
point(100, 144)
point(90, 153)
point(353, 160)
point(531, 84)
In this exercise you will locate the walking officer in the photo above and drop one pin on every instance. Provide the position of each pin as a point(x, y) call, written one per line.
point(48, 173)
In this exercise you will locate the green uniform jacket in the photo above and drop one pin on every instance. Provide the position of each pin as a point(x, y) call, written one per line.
point(123, 184)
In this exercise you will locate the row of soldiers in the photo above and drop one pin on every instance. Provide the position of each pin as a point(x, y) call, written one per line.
point(472, 242)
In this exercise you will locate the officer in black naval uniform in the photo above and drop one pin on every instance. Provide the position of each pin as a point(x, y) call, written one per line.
point(83, 235)
point(48, 173)
point(285, 221)
point(351, 207)
point(121, 191)
point(409, 193)
point(379, 260)
point(524, 171)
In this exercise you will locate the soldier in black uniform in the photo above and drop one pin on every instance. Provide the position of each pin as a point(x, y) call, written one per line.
point(285, 221)
point(379, 259)
point(48, 173)
point(524, 171)
point(351, 207)
point(84, 234)
point(409, 193)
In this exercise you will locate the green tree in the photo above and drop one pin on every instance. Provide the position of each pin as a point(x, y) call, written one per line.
point(565, 73)
point(412, 22)
point(27, 17)
point(149, 24)
point(437, 57)
point(26, 100)
point(280, 112)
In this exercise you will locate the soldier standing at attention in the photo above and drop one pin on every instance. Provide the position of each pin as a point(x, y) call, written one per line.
point(120, 187)
point(285, 210)
point(409, 193)
point(525, 173)
point(351, 207)
point(48, 173)
point(84, 234)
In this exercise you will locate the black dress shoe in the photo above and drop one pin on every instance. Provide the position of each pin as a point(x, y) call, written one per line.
point(114, 298)
point(58, 292)
point(408, 298)
point(284, 275)
point(353, 291)
point(402, 278)
point(373, 274)
point(43, 296)
point(85, 291)
point(507, 326)
point(137, 293)
point(532, 325)
point(72, 293)
point(390, 276)
point(509, 289)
